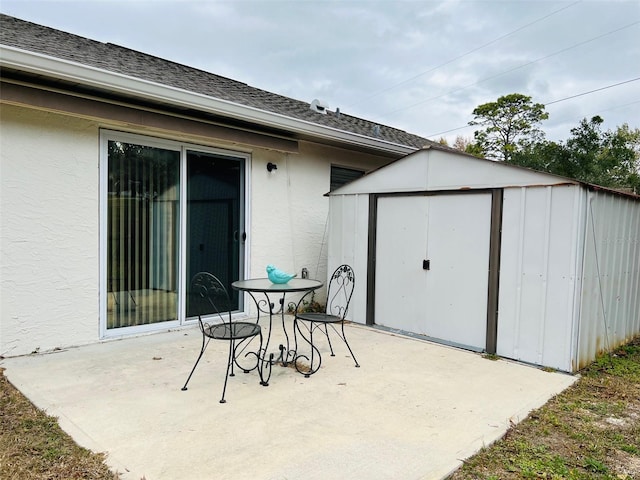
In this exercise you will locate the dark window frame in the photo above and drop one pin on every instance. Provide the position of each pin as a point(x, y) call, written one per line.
point(342, 175)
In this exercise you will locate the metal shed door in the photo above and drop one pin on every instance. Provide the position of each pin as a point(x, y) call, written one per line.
point(432, 261)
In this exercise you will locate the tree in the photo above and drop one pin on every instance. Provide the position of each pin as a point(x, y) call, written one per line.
point(610, 159)
point(544, 156)
point(467, 145)
point(510, 123)
point(461, 143)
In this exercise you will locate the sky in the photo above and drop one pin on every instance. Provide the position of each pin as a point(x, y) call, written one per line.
point(421, 66)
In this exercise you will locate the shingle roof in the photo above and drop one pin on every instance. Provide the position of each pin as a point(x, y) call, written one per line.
point(113, 58)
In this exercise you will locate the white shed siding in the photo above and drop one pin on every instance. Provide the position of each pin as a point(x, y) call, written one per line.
point(453, 172)
point(541, 229)
point(610, 307)
point(559, 270)
point(348, 243)
point(431, 170)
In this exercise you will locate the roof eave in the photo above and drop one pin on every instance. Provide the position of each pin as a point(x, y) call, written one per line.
point(39, 64)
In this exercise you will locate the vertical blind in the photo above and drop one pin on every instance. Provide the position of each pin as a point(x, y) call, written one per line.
point(142, 236)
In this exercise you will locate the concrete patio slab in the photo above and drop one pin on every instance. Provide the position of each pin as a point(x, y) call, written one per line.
point(413, 410)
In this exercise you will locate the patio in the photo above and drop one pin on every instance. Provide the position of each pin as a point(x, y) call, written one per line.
point(413, 410)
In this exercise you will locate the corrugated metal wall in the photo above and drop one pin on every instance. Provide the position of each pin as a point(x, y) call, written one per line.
point(610, 302)
point(539, 267)
point(348, 243)
point(569, 286)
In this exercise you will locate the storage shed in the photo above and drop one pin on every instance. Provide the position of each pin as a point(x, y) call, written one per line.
point(491, 257)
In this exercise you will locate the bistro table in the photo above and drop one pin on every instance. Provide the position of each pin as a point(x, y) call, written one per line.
point(259, 290)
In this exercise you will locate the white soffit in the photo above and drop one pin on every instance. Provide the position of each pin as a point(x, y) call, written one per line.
point(39, 64)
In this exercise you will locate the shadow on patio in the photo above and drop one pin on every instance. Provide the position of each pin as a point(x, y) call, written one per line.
point(413, 410)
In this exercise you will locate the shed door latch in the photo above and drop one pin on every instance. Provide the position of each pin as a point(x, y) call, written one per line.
point(426, 264)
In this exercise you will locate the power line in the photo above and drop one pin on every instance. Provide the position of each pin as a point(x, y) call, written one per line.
point(592, 91)
point(562, 100)
point(511, 69)
point(601, 111)
point(448, 131)
point(624, 105)
point(375, 94)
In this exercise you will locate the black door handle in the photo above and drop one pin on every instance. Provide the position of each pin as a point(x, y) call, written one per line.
point(426, 264)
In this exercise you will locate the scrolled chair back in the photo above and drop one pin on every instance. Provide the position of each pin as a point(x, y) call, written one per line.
point(209, 297)
point(340, 290)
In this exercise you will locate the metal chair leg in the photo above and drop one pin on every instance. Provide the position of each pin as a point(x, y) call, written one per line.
point(202, 349)
point(326, 332)
point(226, 375)
point(232, 356)
point(314, 349)
point(344, 337)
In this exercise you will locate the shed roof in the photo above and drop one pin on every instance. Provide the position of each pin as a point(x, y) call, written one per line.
point(51, 43)
point(436, 168)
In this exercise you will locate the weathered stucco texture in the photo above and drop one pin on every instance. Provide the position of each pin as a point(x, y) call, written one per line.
point(48, 231)
point(50, 218)
point(289, 209)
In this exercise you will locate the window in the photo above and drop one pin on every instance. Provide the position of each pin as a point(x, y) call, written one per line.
point(342, 175)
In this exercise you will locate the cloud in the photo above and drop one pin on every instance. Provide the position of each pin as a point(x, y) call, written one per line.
point(422, 66)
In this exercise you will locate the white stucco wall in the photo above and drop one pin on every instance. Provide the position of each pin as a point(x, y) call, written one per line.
point(289, 209)
point(48, 231)
point(49, 221)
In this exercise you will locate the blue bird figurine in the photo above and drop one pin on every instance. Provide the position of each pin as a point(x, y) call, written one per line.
point(278, 276)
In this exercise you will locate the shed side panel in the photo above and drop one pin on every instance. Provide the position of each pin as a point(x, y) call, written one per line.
point(348, 242)
point(610, 300)
point(538, 274)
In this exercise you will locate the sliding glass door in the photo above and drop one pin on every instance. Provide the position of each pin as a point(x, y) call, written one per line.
point(168, 212)
point(214, 213)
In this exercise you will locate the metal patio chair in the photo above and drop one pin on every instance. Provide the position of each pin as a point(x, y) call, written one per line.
point(210, 298)
point(339, 295)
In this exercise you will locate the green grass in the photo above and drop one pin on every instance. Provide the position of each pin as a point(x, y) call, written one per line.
point(34, 447)
point(590, 431)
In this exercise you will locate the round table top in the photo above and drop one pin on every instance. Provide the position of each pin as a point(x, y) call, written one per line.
point(265, 285)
